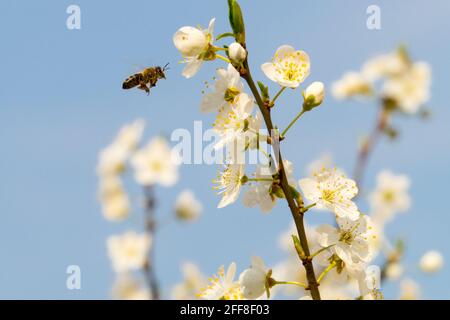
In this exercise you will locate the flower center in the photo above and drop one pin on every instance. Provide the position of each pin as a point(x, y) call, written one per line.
point(388, 196)
point(328, 195)
point(230, 94)
point(228, 180)
point(234, 293)
point(291, 67)
point(347, 237)
point(156, 166)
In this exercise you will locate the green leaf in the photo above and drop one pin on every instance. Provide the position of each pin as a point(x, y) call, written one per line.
point(298, 247)
point(237, 21)
point(264, 91)
point(294, 192)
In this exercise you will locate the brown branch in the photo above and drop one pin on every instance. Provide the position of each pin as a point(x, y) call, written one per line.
point(313, 286)
point(369, 145)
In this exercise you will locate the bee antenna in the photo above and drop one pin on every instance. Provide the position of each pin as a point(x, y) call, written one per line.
point(165, 67)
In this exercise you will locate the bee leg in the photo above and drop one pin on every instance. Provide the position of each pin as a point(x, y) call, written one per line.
point(144, 87)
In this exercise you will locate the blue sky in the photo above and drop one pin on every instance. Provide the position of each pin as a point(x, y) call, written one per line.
point(61, 102)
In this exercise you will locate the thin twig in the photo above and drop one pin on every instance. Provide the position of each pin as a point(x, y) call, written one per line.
point(150, 228)
point(369, 145)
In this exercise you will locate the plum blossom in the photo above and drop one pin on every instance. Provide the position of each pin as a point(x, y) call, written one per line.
point(431, 262)
point(187, 207)
point(155, 164)
point(229, 183)
point(390, 195)
point(262, 193)
point(352, 84)
point(385, 66)
point(253, 280)
point(193, 282)
point(289, 68)
point(114, 200)
point(226, 89)
point(411, 89)
point(237, 53)
point(330, 189)
point(195, 47)
point(128, 288)
point(350, 241)
point(128, 251)
point(232, 122)
point(112, 159)
point(222, 286)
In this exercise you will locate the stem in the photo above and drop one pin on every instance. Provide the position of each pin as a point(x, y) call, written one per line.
point(369, 145)
point(260, 179)
point(324, 272)
point(321, 250)
point(313, 286)
point(291, 282)
point(150, 227)
point(305, 209)
point(223, 58)
point(292, 123)
point(276, 96)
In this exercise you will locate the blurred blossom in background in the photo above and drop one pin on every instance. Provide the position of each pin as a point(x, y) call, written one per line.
point(77, 148)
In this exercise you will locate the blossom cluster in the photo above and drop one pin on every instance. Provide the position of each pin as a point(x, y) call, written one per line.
point(344, 251)
point(347, 258)
point(152, 165)
point(393, 77)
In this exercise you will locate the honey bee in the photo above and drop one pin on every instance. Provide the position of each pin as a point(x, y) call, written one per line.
point(148, 76)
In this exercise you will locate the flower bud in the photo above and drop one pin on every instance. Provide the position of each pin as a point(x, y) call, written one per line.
point(190, 41)
point(313, 95)
point(237, 53)
point(187, 207)
point(237, 21)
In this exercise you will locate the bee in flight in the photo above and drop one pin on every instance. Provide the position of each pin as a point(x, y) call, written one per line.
point(148, 76)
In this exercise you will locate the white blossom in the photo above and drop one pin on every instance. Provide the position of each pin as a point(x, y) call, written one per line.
point(227, 87)
point(315, 93)
point(192, 283)
point(350, 241)
point(350, 85)
point(261, 193)
point(394, 271)
point(127, 288)
point(253, 280)
point(187, 206)
point(385, 66)
point(193, 43)
point(112, 159)
point(411, 89)
point(130, 135)
point(431, 262)
point(229, 183)
point(409, 290)
point(222, 286)
point(369, 282)
point(155, 164)
point(237, 53)
point(330, 189)
point(289, 68)
point(128, 251)
point(114, 200)
point(232, 122)
point(390, 195)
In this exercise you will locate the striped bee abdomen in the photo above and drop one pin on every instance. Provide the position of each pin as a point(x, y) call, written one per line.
point(132, 81)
